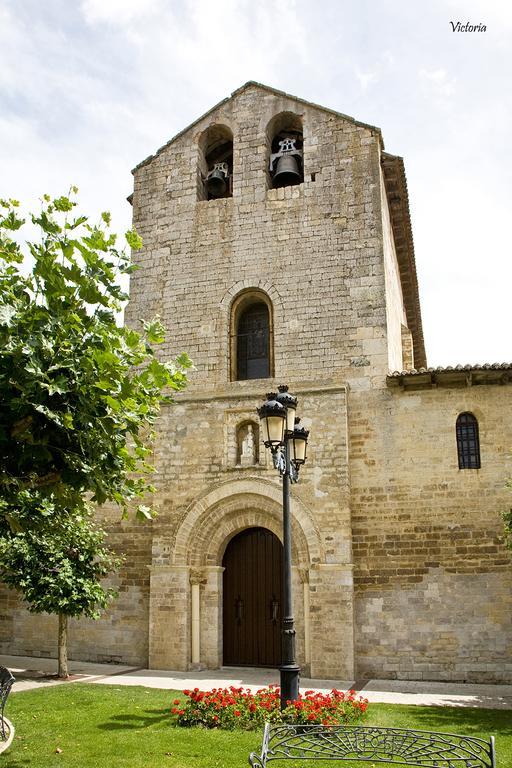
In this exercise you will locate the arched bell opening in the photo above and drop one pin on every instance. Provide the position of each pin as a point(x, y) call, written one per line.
point(285, 150)
point(252, 599)
point(215, 177)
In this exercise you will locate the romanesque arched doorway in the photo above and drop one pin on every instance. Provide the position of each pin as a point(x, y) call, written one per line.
point(252, 599)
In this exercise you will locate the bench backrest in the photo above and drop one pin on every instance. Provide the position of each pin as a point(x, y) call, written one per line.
point(6, 681)
point(397, 746)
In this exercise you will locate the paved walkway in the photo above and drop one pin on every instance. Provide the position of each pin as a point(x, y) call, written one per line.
point(33, 672)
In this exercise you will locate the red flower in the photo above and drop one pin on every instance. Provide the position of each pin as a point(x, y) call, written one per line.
point(206, 707)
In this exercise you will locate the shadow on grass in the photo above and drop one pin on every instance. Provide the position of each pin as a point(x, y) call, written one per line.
point(132, 722)
point(461, 720)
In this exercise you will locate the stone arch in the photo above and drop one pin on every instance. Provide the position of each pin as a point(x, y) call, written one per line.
point(243, 303)
point(215, 145)
point(285, 125)
point(231, 507)
point(247, 285)
point(226, 304)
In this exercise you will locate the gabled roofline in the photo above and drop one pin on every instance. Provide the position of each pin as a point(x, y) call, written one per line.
point(252, 84)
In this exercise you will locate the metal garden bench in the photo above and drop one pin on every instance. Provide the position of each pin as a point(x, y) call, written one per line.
point(357, 743)
point(6, 681)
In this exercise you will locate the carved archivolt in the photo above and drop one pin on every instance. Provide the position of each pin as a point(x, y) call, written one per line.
point(234, 506)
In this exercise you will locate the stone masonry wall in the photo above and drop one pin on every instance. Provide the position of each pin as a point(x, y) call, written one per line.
point(120, 635)
point(316, 246)
point(316, 250)
point(193, 463)
point(433, 580)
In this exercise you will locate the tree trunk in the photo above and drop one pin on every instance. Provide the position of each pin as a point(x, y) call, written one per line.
point(63, 646)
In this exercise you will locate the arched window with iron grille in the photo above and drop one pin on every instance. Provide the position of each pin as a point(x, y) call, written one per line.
point(468, 442)
point(251, 337)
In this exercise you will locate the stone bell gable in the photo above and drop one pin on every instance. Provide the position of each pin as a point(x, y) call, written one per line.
point(341, 238)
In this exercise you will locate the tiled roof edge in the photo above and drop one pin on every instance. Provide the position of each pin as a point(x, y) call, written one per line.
point(452, 368)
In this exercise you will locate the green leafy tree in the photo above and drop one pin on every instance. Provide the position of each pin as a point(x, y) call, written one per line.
point(57, 562)
point(79, 394)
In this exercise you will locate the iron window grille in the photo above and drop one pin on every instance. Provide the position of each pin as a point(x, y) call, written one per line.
point(468, 443)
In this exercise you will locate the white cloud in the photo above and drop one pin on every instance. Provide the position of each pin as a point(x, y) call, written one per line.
point(89, 89)
point(119, 12)
point(437, 83)
point(379, 70)
point(367, 78)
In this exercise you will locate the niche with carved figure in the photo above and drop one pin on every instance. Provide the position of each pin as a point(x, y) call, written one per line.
point(215, 177)
point(247, 444)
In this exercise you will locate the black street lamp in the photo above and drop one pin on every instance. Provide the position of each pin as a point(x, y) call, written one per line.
point(287, 442)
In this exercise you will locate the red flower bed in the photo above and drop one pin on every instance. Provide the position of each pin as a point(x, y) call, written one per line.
point(232, 707)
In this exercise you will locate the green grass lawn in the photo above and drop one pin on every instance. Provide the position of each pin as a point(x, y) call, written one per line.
point(104, 726)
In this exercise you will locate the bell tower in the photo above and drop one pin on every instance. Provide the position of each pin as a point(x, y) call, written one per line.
point(269, 254)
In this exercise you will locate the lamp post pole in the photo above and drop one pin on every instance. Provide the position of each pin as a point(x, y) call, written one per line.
point(289, 669)
point(287, 442)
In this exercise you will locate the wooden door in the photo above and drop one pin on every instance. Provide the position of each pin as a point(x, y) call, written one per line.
point(252, 601)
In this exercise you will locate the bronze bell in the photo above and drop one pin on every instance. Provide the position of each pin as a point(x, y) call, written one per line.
point(287, 172)
point(216, 181)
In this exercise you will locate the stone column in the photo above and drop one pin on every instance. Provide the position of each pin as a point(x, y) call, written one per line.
point(304, 577)
point(211, 617)
point(197, 578)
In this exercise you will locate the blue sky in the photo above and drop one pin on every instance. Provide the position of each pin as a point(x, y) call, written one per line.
point(88, 88)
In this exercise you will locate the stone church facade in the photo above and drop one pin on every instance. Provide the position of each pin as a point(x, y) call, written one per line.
point(399, 568)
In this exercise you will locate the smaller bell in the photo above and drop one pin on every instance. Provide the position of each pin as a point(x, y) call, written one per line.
point(216, 181)
point(287, 172)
